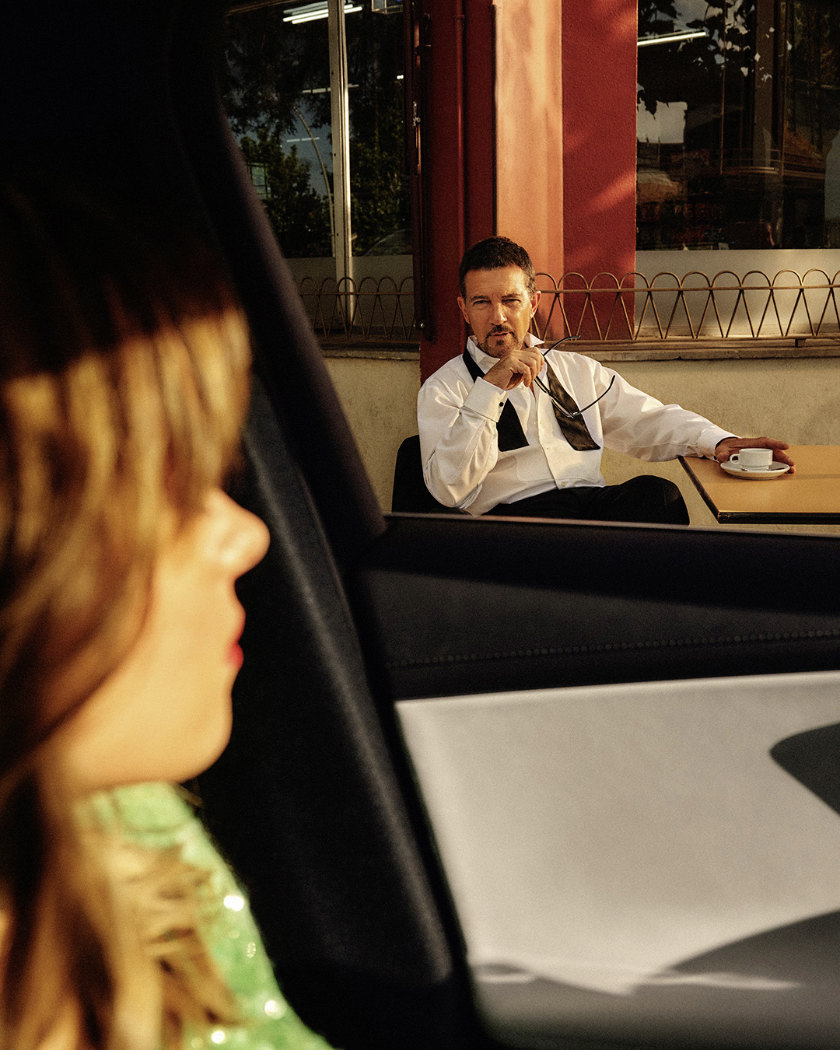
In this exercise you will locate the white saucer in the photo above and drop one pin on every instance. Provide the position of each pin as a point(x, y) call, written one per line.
point(775, 470)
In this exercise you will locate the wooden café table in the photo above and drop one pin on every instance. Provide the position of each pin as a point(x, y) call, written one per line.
point(810, 496)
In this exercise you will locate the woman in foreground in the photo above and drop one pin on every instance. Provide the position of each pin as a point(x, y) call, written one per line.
point(123, 382)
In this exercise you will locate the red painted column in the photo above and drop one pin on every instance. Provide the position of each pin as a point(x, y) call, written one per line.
point(599, 139)
point(528, 129)
point(457, 160)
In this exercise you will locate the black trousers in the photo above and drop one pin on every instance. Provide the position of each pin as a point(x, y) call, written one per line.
point(642, 499)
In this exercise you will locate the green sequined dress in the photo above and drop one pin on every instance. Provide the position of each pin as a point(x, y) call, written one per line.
point(155, 815)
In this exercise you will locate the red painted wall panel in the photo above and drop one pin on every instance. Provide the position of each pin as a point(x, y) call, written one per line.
point(458, 160)
point(599, 135)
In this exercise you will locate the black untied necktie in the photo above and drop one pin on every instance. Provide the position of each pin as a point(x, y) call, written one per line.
point(575, 431)
point(509, 429)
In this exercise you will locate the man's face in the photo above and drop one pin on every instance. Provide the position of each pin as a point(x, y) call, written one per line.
point(498, 308)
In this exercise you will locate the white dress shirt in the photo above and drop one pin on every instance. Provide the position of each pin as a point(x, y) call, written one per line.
point(457, 419)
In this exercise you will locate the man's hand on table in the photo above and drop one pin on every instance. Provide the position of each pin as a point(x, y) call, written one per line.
point(725, 448)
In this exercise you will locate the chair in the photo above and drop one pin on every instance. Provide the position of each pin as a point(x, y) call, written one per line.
point(410, 493)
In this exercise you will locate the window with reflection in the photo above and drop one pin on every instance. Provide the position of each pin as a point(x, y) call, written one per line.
point(738, 124)
point(278, 96)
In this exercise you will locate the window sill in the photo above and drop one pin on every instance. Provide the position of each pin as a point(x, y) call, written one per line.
point(394, 352)
point(664, 350)
point(710, 350)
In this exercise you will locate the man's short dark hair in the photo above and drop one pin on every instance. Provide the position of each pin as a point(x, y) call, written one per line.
point(494, 253)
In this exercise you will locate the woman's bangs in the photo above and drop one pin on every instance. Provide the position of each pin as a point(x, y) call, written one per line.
point(203, 370)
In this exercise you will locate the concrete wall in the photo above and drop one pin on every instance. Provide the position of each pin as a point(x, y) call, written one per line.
point(379, 397)
point(792, 398)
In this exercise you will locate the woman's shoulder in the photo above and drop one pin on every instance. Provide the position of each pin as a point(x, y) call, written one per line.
point(160, 816)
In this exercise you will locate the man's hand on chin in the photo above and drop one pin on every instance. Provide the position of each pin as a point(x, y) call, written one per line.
point(519, 366)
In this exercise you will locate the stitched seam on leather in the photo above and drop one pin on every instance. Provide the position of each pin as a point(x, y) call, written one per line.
point(616, 647)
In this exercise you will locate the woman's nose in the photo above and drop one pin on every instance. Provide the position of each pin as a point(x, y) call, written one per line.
point(244, 538)
point(254, 539)
point(257, 541)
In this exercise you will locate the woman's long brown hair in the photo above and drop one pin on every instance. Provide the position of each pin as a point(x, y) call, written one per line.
point(123, 383)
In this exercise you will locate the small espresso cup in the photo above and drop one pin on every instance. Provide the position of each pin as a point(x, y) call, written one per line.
point(753, 458)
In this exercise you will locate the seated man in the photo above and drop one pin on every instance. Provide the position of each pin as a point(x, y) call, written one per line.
point(512, 427)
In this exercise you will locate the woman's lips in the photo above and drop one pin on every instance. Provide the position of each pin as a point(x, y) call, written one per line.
point(235, 654)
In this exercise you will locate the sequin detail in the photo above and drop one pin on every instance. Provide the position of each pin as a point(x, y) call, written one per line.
point(155, 815)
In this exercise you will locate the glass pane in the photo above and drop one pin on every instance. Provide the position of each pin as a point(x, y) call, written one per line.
point(738, 111)
point(812, 122)
point(277, 95)
point(378, 184)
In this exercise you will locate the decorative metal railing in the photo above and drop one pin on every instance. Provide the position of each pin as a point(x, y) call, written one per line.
point(694, 306)
point(631, 309)
point(372, 311)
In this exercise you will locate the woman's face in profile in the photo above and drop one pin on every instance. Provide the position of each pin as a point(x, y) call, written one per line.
point(165, 713)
